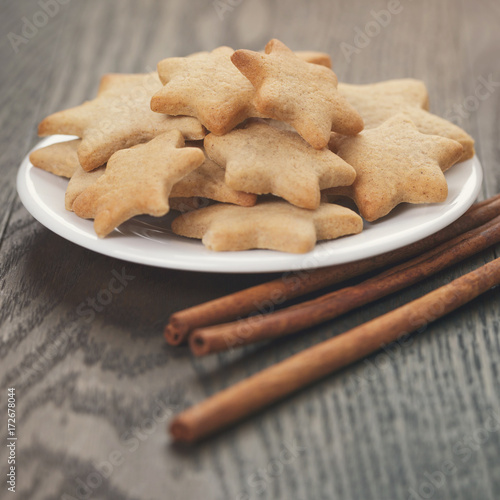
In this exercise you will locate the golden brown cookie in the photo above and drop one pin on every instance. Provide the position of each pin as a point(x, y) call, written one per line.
point(312, 57)
point(392, 94)
point(59, 159)
point(207, 181)
point(137, 181)
point(395, 163)
point(378, 102)
point(279, 125)
point(119, 117)
point(274, 225)
point(309, 56)
point(79, 182)
point(301, 94)
point(62, 159)
point(208, 86)
point(261, 159)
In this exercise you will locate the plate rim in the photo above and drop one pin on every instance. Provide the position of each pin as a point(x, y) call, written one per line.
point(317, 258)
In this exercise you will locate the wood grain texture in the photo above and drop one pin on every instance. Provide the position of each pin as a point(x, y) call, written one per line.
point(95, 393)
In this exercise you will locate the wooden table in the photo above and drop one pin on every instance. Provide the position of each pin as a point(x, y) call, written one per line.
point(94, 394)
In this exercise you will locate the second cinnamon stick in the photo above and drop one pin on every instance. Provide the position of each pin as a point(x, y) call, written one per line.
point(293, 319)
point(292, 285)
point(314, 363)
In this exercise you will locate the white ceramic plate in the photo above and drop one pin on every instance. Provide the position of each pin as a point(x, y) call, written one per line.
point(148, 240)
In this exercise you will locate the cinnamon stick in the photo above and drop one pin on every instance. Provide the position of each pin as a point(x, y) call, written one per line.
point(293, 319)
point(295, 284)
point(276, 382)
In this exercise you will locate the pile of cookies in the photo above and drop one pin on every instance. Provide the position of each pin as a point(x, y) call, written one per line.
point(265, 139)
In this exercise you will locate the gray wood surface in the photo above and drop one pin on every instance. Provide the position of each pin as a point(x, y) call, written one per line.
point(94, 394)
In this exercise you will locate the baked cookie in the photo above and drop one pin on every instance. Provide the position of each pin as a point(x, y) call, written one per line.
point(79, 182)
point(118, 118)
point(208, 86)
point(261, 159)
point(312, 57)
point(137, 181)
point(207, 181)
point(301, 94)
point(396, 163)
point(59, 159)
point(391, 94)
point(274, 225)
point(377, 102)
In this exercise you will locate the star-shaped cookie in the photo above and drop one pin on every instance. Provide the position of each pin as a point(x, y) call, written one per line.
point(137, 181)
point(79, 182)
point(393, 94)
point(378, 102)
point(207, 181)
point(395, 163)
point(119, 117)
point(206, 85)
point(274, 225)
point(261, 159)
point(309, 56)
point(301, 94)
point(312, 57)
point(59, 159)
